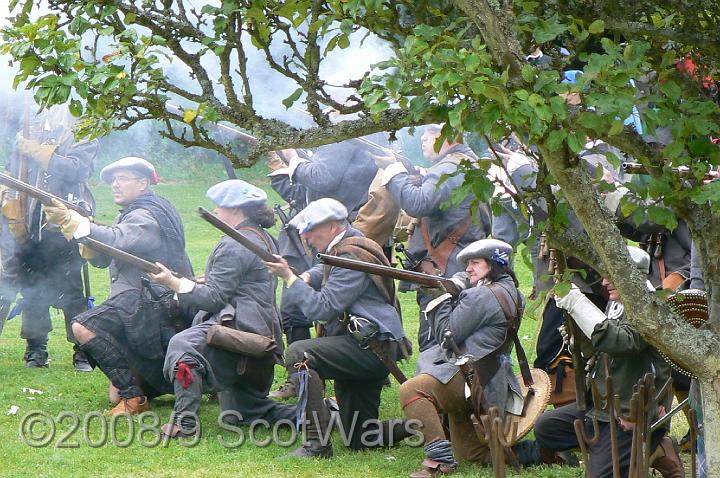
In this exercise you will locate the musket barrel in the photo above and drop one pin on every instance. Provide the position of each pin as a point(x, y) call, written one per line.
point(639, 168)
point(44, 197)
point(237, 236)
point(380, 150)
point(377, 269)
point(236, 133)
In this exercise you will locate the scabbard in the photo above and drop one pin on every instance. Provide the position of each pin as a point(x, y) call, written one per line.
point(394, 369)
point(382, 353)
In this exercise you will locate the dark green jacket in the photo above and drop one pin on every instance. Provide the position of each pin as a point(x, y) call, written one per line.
point(629, 357)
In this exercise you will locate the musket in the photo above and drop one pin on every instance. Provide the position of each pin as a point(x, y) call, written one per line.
point(293, 235)
point(115, 253)
point(43, 196)
point(218, 127)
point(234, 234)
point(665, 418)
point(426, 280)
point(382, 151)
point(681, 171)
point(234, 132)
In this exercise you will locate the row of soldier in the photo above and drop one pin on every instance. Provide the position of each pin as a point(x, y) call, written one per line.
point(343, 200)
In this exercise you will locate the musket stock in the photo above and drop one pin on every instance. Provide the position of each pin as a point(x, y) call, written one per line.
point(115, 253)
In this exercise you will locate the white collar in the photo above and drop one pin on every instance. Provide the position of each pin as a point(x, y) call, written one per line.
point(337, 239)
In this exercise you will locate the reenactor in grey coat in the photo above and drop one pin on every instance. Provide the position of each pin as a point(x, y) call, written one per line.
point(342, 171)
point(128, 346)
point(518, 174)
point(238, 293)
point(480, 329)
point(37, 260)
point(355, 309)
point(441, 233)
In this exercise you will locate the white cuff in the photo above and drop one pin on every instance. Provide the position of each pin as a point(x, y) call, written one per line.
point(186, 285)
point(391, 171)
point(279, 172)
point(612, 199)
point(83, 229)
point(586, 315)
point(295, 161)
point(433, 304)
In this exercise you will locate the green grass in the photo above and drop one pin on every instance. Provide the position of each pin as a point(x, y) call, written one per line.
point(65, 390)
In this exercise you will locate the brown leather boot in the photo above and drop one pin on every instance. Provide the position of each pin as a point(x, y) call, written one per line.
point(286, 391)
point(172, 430)
point(133, 406)
point(433, 468)
point(666, 459)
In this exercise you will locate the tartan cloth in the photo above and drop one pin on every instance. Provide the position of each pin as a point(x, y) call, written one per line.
point(131, 349)
point(696, 404)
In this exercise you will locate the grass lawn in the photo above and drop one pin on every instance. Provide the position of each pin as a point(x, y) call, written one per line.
point(64, 390)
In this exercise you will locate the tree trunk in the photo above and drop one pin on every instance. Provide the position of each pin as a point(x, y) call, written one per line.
point(711, 424)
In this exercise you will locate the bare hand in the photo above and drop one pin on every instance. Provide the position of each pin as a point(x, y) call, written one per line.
point(714, 174)
point(382, 161)
point(165, 277)
point(279, 268)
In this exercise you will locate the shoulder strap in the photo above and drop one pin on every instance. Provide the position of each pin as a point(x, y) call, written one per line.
point(366, 250)
point(261, 234)
point(512, 324)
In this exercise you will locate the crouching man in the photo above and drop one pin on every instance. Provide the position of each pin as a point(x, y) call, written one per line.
point(354, 308)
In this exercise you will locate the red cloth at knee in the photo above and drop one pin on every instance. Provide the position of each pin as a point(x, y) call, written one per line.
point(184, 374)
point(419, 396)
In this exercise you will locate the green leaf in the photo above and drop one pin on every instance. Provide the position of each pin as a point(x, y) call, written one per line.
point(576, 141)
point(616, 128)
point(75, 108)
point(528, 73)
point(671, 90)
point(477, 86)
point(555, 139)
point(290, 100)
point(706, 193)
point(674, 149)
point(472, 62)
point(523, 95)
point(663, 216)
point(563, 288)
point(597, 27)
